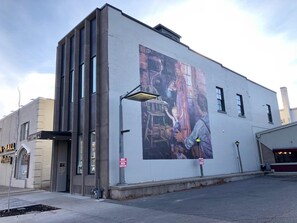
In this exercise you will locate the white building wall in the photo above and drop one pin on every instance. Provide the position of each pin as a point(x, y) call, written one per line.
point(125, 36)
point(39, 114)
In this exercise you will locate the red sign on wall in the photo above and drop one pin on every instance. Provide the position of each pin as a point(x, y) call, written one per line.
point(123, 162)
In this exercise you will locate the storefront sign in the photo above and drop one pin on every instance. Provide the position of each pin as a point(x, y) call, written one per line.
point(6, 149)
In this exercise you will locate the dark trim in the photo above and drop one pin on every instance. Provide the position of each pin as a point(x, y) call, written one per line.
point(50, 135)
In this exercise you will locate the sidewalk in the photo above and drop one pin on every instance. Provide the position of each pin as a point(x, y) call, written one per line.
point(13, 190)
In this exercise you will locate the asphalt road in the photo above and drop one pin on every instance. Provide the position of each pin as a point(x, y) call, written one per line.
point(261, 199)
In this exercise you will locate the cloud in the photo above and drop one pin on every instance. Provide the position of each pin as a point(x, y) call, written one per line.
point(31, 86)
point(226, 32)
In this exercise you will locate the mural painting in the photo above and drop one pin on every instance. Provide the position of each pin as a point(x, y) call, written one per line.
point(171, 124)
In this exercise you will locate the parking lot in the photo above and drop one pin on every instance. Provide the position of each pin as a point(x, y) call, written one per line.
point(270, 198)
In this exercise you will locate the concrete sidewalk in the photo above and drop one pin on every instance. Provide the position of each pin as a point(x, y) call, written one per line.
point(13, 190)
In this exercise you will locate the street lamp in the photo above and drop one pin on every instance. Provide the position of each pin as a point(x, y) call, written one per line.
point(237, 146)
point(137, 96)
point(200, 159)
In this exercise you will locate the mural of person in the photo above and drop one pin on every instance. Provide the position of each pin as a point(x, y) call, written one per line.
point(176, 127)
point(181, 98)
point(201, 130)
point(171, 124)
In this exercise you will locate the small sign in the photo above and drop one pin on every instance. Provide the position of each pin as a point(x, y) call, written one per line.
point(123, 162)
point(201, 161)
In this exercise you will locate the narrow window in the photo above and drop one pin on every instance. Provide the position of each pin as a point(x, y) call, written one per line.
point(24, 131)
point(93, 75)
point(92, 153)
point(93, 41)
point(63, 60)
point(72, 45)
point(240, 107)
point(220, 99)
point(269, 114)
point(81, 45)
point(71, 86)
point(81, 80)
point(79, 155)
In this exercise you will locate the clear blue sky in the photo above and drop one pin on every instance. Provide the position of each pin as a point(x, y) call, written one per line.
point(257, 39)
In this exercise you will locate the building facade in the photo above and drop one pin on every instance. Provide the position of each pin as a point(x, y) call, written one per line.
point(287, 114)
point(27, 162)
point(108, 54)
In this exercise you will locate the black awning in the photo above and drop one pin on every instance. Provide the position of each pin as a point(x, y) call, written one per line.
point(50, 135)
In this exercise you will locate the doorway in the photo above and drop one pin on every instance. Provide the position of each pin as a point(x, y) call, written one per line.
point(63, 166)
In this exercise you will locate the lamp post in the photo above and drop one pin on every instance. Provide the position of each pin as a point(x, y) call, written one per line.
point(200, 159)
point(238, 152)
point(140, 96)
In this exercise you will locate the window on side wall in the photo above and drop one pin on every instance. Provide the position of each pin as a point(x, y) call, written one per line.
point(240, 108)
point(24, 131)
point(269, 114)
point(220, 99)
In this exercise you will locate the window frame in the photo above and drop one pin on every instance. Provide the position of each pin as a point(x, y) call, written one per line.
point(220, 100)
point(269, 114)
point(240, 106)
point(24, 132)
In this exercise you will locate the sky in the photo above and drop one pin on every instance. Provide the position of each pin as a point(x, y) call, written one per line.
point(255, 38)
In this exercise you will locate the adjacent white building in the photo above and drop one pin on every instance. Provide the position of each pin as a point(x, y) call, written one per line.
point(27, 162)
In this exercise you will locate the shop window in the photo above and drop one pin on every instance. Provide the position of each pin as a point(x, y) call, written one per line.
point(79, 167)
point(285, 156)
point(240, 107)
point(92, 153)
point(220, 99)
point(22, 165)
point(24, 131)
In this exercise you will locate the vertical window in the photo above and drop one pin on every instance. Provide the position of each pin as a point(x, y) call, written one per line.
point(93, 75)
point(71, 74)
point(269, 114)
point(22, 166)
point(63, 60)
point(79, 155)
point(220, 99)
point(240, 108)
point(24, 131)
point(71, 86)
point(92, 153)
point(81, 45)
point(81, 80)
point(72, 53)
point(93, 41)
point(93, 44)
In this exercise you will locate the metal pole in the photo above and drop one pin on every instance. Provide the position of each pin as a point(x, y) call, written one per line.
point(198, 140)
point(121, 144)
point(201, 165)
point(237, 145)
